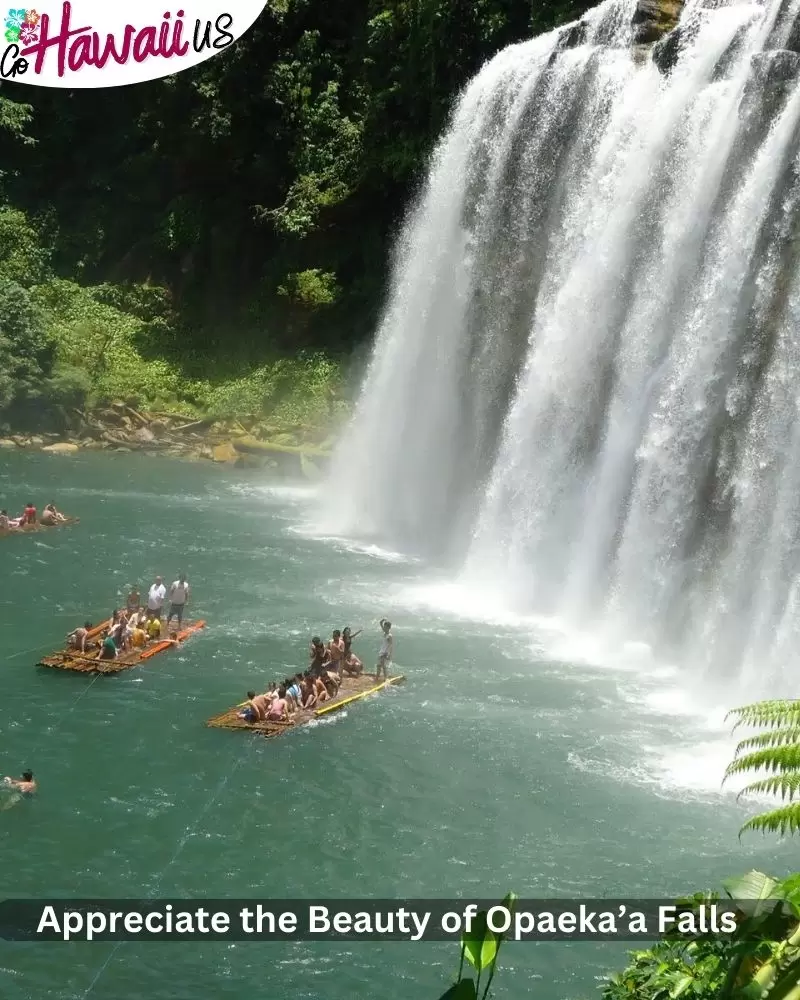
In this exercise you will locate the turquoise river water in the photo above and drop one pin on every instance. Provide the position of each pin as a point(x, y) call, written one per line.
point(506, 762)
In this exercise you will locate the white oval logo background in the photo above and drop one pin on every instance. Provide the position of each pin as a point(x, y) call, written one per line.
point(62, 44)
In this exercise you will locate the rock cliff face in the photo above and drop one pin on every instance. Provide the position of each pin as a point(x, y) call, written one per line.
point(653, 19)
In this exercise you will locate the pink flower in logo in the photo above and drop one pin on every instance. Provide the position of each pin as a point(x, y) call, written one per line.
point(28, 34)
point(32, 18)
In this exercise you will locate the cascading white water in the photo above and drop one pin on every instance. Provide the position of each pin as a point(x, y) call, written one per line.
point(585, 386)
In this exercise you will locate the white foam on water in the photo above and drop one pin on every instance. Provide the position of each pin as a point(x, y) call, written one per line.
point(688, 755)
point(341, 544)
point(280, 493)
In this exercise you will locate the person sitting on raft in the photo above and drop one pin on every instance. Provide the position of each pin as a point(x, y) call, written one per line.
point(51, 516)
point(119, 630)
point(138, 636)
point(351, 664)
point(256, 708)
point(279, 709)
point(77, 639)
point(25, 784)
point(294, 694)
point(320, 690)
point(108, 651)
point(9, 523)
point(153, 627)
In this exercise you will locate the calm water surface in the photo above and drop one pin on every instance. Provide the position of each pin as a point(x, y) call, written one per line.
point(497, 767)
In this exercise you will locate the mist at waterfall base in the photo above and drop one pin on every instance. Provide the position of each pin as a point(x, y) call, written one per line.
point(583, 398)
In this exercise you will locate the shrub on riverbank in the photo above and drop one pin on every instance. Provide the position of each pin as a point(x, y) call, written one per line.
point(70, 347)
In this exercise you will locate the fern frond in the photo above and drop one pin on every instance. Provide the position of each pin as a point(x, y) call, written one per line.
point(782, 712)
point(781, 821)
point(785, 785)
point(772, 738)
point(782, 759)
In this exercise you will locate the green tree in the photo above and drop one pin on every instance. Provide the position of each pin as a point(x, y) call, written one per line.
point(27, 355)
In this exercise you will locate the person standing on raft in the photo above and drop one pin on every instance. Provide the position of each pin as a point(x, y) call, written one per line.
point(386, 651)
point(156, 597)
point(178, 598)
point(134, 600)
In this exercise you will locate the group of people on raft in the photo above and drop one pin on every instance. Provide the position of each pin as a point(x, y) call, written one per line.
point(137, 624)
point(328, 664)
point(27, 519)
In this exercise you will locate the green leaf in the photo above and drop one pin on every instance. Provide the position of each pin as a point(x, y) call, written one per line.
point(489, 949)
point(463, 990)
point(780, 821)
point(768, 714)
point(754, 885)
point(473, 941)
point(681, 986)
point(789, 889)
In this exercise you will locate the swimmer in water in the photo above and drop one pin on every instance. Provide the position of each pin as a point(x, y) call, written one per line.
point(25, 784)
point(23, 787)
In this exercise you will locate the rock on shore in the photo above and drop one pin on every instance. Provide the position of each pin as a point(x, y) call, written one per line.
point(300, 451)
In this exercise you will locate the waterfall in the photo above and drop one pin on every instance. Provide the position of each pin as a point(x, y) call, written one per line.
point(584, 389)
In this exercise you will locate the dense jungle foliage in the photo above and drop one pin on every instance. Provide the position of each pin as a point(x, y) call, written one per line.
point(175, 238)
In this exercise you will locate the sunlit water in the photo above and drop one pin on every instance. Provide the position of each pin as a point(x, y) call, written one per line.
point(517, 756)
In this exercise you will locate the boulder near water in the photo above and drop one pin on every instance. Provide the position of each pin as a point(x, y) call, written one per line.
point(224, 452)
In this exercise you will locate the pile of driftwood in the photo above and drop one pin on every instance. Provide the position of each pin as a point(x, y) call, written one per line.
point(121, 426)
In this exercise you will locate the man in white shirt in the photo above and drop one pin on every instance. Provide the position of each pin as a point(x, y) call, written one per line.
point(156, 597)
point(178, 596)
point(386, 651)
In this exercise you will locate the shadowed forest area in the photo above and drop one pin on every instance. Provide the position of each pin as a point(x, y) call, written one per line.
point(219, 241)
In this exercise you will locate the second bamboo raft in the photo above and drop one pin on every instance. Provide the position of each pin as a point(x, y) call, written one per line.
point(88, 663)
point(30, 529)
point(353, 689)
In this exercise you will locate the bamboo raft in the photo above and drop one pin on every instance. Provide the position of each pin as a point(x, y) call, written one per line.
point(88, 663)
point(30, 529)
point(353, 689)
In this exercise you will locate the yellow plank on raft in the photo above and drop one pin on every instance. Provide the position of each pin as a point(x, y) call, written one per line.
point(363, 694)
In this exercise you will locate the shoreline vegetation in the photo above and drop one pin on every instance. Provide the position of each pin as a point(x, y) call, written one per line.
point(215, 249)
point(239, 306)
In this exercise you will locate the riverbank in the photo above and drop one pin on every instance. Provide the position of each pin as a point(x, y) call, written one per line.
point(300, 449)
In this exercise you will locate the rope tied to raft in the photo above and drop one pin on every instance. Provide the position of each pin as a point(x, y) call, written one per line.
point(182, 842)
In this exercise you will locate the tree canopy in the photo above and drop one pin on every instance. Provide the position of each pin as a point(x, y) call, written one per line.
point(244, 209)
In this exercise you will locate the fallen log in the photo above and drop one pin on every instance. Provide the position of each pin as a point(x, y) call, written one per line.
point(251, 446)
